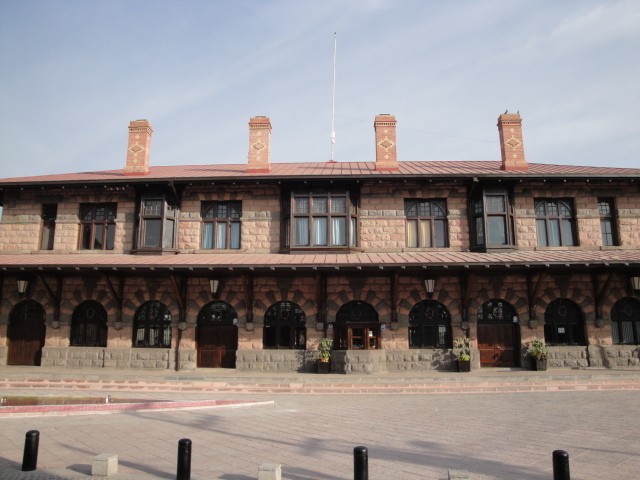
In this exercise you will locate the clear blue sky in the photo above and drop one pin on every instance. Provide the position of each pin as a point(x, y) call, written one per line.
point(73, 73)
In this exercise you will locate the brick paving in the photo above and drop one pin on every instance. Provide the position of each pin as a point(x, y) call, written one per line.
point(492, 435)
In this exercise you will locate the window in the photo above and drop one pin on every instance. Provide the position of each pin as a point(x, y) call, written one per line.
point(357, 327)
point(320, 221)
point(625, 322)
point(563, 323)
point(221, 225)
point(555, 223)
point(491, 219)
point(607, 222)
point(49, 214)
point(285, 326)
point(97, 226)
point(426, 223)
point(89, 325)
point(152, 326)
point(429, 325)
point(157, 224)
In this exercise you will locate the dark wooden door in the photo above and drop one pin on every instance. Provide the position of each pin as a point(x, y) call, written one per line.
point(26, 334)
point(217, 345)
point(497, 345)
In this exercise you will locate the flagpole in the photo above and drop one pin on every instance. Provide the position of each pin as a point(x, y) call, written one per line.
point(333, 99)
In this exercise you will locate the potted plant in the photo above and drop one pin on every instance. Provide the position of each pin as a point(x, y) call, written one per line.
point(538, 350)
point(463, 355)
point(324, 348)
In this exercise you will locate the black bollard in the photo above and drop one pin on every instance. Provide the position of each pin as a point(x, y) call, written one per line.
point(184, 459)
point(360, 463)
point(30, 456)
point(561, 465)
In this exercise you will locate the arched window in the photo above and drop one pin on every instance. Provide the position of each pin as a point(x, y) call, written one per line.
point(429, 325)
point(152, 326)
point(625, 321)
point(285, 326)
point(89, 325)
point(217, 313)
point(563, 323)
point(357, 327)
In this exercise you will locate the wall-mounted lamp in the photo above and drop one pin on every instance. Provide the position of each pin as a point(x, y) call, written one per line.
point(23, 284)
point(430, 285)
point(635, 283)
point(214, 285)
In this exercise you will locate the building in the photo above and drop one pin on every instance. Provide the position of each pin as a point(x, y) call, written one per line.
point(248, 266)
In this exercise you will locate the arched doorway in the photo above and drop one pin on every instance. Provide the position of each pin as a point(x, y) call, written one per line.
point(563, 323)
point(285, 326)
point(357, 327)
point(498, 335)
point(217, 336)
point(26, 333)
point(89, 325)
point(429, 325)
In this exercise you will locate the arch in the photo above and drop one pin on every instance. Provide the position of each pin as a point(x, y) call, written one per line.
point(429, 325)
point(152, 326)
point(357, 327)
point(89, 325)
point(498, 334)
point(26, 333)
point(563, 323)
point(217, 336)
point(625, 322)
point(285, 326)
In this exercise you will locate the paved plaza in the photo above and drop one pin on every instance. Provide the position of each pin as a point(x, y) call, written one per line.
point(409, 436)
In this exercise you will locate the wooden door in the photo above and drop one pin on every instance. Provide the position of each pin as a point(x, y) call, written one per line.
point(497, 345)
point(26, 334)
point(217, 345)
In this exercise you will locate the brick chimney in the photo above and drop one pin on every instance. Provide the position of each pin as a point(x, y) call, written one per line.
point(511, 147)
point(386, 156)
point(259, 145)
point(140, 132)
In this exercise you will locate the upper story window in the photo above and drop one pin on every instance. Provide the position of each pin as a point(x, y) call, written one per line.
point(555, 223)
point(607, 222)
point(98, 226)
point(221, 225)
point(492, 219)
point(322, 220)
point(158, 224)
point(426, 223)
point(49, 215)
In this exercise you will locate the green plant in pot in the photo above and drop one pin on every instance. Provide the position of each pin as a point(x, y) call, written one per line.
point(324, 359)
point(463, 356)
point(538, 350)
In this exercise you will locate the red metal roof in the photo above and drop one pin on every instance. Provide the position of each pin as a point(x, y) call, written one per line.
point(186, 261)
point(325, 170)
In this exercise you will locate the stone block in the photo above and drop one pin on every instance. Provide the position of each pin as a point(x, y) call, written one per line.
point(104, 465)
point(270, 471)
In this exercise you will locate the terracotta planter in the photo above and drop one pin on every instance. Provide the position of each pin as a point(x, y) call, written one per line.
point(464, 365)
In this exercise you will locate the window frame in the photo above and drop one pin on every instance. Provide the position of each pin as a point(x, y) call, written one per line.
point(167, 216)
point(481, 214)
point(562, 220)
point(574, 327)
point(431, 219)
point(96, 221)
point(159, 319)
point(229, 220)
point(313, 213)
point(609, 217)
point(49, 215)
point(619, 316)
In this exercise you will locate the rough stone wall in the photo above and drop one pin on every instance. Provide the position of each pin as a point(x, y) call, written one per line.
point(614, 356)
point(275, 360)
point(383, 220)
